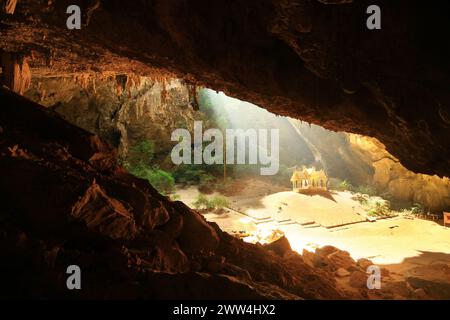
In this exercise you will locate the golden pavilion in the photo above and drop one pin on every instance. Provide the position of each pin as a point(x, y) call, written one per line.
point(309, 178)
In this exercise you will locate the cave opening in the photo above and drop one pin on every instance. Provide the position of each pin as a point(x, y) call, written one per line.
point(348, 186)
point(118, 162)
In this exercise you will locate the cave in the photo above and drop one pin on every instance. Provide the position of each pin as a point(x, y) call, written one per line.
point(225, 150)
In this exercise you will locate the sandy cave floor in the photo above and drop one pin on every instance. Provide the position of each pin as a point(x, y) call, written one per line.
point(406, 247)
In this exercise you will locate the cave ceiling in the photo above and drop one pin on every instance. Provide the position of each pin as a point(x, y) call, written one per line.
point(314, 60)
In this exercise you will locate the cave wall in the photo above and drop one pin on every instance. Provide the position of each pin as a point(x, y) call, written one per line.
point(311, 60)
point(122, 109)
point(393, 180)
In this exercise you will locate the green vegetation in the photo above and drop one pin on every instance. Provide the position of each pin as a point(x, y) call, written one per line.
point(362, 199)
point(375, 206)
point(174, 197)
point(215, 203)
point(417, 209)
point(344, 185)
point(139, 163)
point(365, 189)
point(191, 174)
point(161, 180)
point(219, 202)
point(379, 208)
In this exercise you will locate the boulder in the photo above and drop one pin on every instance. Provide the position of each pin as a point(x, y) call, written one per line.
point(358, 279)
point(364, 263)
point(197, 236)
point(104, 214)
point(175, 224)
point(314, 260)
point(215, 264)
point(420, 294)
point(341, 259)
point(280, 247)
point(398, 289)
point(308, 257)
point(341, 272)
point(326, 251)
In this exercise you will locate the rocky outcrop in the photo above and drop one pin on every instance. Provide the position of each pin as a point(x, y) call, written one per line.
point(353, 277)
point(312, 60)
point(104, 214)
point(61, 207)
point(392, 179)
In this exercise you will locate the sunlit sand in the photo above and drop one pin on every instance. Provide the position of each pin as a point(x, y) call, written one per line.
point(387, 242)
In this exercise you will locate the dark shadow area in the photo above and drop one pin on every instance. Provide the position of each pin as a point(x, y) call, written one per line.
point(429, 271)
point(318, 192)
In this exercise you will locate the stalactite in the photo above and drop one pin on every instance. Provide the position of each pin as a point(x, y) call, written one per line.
point(193, 98)
point(10, 6)
point(16, 72)
point(163, 92)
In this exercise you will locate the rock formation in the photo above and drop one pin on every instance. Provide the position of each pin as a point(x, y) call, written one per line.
point(16, 72)
point(122, 109)
point(389, 176)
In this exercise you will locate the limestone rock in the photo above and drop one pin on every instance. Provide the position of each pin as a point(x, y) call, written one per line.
point(16, 71)
point(341, 272)
point(174, 225)
point(341, 259)
point(326, 251)
point(9, 6)
point(364, 263)
point(397, 289)
point(104, 214)
point(197, 236)
point(308, 257)
point(280, 246)
point(358, 279)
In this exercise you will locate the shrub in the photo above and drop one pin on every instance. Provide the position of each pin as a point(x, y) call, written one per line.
point(379, 208)
point(417, 209)
point(361, 198)
point(344, 185)
point(161, 180)
point(141, 152)
point(219, 202)
point(175, 197)
point(195, 174)
point(201, 202)
point(205, 180)
point(365, 189)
